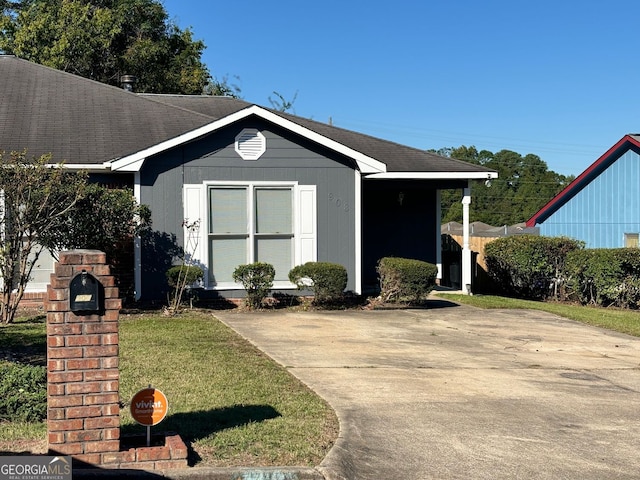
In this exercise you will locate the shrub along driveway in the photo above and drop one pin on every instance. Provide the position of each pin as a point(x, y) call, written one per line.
point(458, 392)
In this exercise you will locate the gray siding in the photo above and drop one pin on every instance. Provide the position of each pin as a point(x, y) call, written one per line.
point(288, 158)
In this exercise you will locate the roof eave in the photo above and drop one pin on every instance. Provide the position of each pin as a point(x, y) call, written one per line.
point(433, 175)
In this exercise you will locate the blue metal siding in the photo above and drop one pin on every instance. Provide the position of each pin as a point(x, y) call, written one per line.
point(606, 209)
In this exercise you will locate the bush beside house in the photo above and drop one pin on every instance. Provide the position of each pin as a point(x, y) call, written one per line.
point(326, 280)
point(257, 279)
point(405, 279)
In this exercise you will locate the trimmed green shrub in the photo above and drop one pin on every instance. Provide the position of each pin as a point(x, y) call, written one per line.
point(405, 279)
point(529, 266)
point(326, 280)
point(605, 277)
point(180, 278)
point(184, 275)
point(257, 280)
point(23, 392)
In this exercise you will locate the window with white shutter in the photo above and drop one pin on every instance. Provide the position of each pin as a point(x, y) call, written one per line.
point(272, 222)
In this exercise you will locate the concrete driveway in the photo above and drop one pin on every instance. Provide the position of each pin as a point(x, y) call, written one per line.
point(455, 392)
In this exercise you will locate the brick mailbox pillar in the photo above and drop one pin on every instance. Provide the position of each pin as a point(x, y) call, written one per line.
point(83, 414)
point(82, 363)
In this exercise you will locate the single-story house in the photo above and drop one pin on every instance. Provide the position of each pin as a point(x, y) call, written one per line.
point(263, 185)
point(602, 205)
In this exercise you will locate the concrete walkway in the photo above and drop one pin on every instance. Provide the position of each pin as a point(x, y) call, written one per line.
point(455, 392)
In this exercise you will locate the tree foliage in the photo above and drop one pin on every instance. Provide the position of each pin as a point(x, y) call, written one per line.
point(104, 219)
point(105, 39)
point(524, 185)
point(35, 197)
point(48, 207)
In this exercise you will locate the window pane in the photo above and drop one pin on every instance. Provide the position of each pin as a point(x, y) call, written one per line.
point(631, 240)
point(273, 211)
point(226, 254)
point(278, 252)
point(228, 210)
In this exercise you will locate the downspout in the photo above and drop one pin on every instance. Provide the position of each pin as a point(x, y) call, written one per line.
point(466, 251)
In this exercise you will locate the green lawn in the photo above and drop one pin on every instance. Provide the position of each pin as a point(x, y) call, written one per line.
point(619, 320)
point(232, 404)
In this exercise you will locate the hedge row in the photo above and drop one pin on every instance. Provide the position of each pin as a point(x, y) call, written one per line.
point(528, 266)
point(537, 267)
point(606, 277)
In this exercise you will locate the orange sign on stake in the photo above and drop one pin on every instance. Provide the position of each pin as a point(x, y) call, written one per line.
point(149, 407)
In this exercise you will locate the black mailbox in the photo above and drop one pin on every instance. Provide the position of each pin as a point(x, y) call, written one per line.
point(85, 293)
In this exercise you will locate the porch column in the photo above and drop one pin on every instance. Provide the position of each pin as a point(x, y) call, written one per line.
point(466, 251)
point(439, 236)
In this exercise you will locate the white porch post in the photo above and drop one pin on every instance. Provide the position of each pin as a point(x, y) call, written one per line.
point(466, 251)
point(439, 236)
point(137, 243)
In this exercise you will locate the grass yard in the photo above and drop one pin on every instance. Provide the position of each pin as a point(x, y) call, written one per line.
point(617, 319)
point(232, 405)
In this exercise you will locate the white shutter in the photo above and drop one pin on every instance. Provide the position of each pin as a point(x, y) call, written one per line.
point(306, 225)
point(194, 211)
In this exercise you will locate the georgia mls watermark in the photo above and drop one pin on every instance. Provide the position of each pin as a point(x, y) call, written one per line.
point(35, 468)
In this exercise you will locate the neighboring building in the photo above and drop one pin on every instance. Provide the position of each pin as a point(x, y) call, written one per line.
point(479, 235)
point(264, 185)
point(602, 205)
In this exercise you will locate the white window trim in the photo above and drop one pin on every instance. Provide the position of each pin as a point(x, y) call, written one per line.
point(196, 200)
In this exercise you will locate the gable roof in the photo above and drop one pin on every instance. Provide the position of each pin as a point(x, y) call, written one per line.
point(88, 124)
point(396, 157)
point(585, 178)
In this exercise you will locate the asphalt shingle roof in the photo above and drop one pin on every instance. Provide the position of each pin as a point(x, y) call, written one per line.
point(81, 121)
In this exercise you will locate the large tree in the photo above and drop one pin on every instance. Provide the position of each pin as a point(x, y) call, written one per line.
point(34, 198)
point(524, 185)
point(105, 39)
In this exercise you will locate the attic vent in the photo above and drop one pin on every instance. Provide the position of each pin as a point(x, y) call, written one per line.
point(250, 144)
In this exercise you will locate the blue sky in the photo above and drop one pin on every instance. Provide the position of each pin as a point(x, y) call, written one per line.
point(560, 79)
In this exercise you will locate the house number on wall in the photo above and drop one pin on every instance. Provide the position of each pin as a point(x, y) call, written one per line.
point(338, 202)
